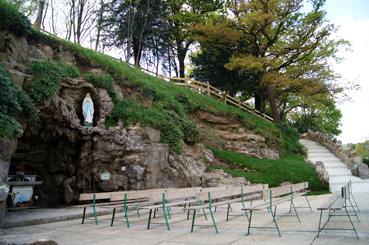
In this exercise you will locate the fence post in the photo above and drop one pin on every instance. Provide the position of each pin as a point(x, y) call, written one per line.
point(187, 81)
point(239, 104)
point(225, 97)
point(208, 88)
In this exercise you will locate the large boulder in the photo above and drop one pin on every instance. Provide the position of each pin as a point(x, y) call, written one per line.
point(322, 173)
point(219, 178)
point(363, 170)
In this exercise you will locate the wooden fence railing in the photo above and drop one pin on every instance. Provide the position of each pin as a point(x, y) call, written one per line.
point(199, 87)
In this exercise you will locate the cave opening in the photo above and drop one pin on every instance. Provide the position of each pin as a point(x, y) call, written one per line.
point(53, 157)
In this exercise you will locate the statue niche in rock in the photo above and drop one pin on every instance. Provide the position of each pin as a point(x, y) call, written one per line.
point(88, 110)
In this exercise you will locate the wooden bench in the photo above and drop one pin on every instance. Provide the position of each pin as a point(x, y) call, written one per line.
point(339, 201)
point(275, 196)
point(206, 201)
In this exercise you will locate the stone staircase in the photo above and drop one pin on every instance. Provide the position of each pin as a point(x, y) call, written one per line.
point(338, 172)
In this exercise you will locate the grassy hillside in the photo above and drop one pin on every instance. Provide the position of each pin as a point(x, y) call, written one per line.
point(291, 168)
point(168, 108)
point(170, 103)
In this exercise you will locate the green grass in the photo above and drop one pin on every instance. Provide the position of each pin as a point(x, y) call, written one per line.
point(291, 168)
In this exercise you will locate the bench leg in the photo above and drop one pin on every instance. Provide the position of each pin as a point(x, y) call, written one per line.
point(249, 220)
point(307, 201)
point(203, 211)
point(352, 196)
point(83, 215)
point(166, 217)
point(138, 211)
point(294, 208)
point(229, 206)
point(126, 217)
point(193, 219)
point(290, 206)
point(320, 222)
point(274, 220)
point(149, 221)
point(95, 215)
point(247, 216)
point(353, 209)
point(213, 219)
point(154, 214)
point(348, 215)
point(112, 218)
point(168, 211)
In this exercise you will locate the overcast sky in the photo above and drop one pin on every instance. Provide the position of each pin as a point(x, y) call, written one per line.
point(352, 16)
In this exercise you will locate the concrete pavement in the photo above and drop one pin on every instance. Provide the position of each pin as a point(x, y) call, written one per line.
point(231, 232)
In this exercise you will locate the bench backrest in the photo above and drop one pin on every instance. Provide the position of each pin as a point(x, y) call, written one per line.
point(180, 195)
point(135, 195)
point(94, 196)
point(231, 192)
point(284, 190)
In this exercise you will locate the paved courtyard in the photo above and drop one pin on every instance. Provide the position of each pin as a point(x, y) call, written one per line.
point(231, 232)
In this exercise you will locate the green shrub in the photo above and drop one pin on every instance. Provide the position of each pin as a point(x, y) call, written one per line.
point(46, 80)
point(102, 81)
point(290, 139)
point(70, 71)
point(15, 107)
point(12, 20)
point(47, 76)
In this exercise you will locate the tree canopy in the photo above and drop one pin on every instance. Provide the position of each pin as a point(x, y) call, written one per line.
point(288, 49)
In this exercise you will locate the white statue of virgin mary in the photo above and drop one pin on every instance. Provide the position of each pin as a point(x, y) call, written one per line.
point(88, 110)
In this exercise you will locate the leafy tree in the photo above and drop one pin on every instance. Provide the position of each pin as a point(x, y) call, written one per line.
point(289, 49)
point(27, 7)
point(318, 114)
point(218, 43)
point(132, 25)
point(183, 15)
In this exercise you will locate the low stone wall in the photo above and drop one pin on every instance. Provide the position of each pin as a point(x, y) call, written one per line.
point(349, 157)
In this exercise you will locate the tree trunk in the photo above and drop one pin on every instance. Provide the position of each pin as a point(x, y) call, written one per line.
point(99, 24)
point(40, 13)
point(259, 102)
point(181, 61)
point(273, 104)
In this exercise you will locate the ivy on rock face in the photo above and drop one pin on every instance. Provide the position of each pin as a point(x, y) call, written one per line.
point(47, 76)
point(15, 107)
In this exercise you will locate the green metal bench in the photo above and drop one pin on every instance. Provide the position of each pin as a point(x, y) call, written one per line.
point(272, 198)
point(339, 202)
point(109, 200)
point(207, 201)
